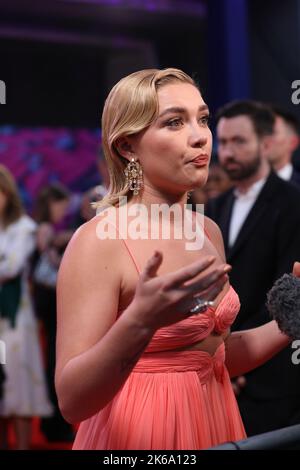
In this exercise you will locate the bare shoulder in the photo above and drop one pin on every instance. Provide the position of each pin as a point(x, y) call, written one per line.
point(215, 235)
point(88, 290)
point(91, 244)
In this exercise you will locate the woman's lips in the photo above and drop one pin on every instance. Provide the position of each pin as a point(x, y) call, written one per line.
point(200, 161)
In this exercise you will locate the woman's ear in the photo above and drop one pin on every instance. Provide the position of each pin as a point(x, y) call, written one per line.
point(124, 147)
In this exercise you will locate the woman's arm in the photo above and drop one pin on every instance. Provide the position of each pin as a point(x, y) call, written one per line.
point(96, 351)
point(248, 349)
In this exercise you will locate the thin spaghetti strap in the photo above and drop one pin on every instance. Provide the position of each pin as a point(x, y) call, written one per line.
point(206, 234)
point(127, 248)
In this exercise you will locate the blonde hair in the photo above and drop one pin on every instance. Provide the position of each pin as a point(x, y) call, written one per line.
point(14, 209)
point(131, 107)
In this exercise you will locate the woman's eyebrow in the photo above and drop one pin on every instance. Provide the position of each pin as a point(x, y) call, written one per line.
point(178, 109)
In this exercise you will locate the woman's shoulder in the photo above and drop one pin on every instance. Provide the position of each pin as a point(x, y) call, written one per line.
point(98, 234)
point(214, 233)
point(212, 227)
point(88, 254)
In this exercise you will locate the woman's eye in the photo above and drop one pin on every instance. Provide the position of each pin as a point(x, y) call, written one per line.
point(175, 122)
point(204, 120)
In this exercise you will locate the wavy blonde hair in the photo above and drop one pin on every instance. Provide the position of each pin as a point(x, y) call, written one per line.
point(131, 107)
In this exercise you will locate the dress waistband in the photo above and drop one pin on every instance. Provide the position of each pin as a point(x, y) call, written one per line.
point(197, 361)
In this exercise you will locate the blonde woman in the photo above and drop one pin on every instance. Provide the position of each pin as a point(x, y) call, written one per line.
point(141, 357)
point(24, 390)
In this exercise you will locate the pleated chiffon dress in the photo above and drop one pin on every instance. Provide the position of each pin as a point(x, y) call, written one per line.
point(172, 400)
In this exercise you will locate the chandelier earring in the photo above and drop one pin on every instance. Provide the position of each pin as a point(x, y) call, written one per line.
point(134, 176)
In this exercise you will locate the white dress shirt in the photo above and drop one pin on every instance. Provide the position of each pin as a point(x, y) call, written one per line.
point(286, 172)
point(242, 205)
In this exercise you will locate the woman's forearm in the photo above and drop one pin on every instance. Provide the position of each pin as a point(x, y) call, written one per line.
point(248, 349)
point(89, 381)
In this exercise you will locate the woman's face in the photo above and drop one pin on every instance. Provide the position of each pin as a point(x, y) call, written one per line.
point(58, 210)
point(3, 202)
point(175, 150)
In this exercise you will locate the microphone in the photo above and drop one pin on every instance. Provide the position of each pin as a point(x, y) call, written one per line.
point(283, 303)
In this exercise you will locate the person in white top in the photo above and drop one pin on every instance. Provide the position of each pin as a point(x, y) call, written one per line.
point(24, 388)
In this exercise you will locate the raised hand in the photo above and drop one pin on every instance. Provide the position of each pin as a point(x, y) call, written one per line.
point(162, 300)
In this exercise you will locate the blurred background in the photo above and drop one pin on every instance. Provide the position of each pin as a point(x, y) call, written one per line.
point(59, 59)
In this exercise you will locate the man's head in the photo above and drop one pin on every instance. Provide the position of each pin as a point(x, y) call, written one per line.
point(243, 130)
point(285, 138)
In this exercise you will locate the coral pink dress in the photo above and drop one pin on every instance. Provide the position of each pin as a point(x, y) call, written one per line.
point(173, 400)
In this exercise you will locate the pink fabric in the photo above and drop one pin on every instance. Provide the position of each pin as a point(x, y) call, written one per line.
point(179, 400)
point(172, 400)
point(197, 327)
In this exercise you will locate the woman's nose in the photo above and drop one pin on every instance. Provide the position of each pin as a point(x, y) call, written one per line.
point(198, 136)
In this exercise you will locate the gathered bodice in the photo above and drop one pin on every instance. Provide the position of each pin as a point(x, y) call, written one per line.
point(195, 328)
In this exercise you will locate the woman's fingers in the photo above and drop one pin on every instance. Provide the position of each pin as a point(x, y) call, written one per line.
point(214, 278)
point(189, 272)
point(152, 266)
point(296, 269)
point(213, 292)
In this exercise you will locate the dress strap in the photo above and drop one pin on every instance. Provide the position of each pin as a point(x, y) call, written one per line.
point(206, 233)
point(127, 248)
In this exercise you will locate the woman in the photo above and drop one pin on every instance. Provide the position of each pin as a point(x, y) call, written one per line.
point(50, 211)
point(24, 391)
point(135, 363)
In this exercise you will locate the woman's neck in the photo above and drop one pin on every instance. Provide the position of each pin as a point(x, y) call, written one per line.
point(149, 196)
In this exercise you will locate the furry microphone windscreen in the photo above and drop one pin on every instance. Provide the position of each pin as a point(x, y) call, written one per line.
point(284, 304)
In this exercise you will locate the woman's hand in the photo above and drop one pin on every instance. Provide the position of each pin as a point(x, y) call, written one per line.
point(163, 300)
point(296, 269)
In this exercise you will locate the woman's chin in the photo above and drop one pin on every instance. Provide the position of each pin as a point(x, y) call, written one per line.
point(199, 183)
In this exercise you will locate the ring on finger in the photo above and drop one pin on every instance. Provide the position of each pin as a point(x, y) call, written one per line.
point(200, 305)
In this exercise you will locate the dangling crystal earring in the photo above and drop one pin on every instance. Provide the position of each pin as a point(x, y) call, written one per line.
point(134, 176)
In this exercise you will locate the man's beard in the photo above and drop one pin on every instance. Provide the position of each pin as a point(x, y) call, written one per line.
point(242, 170)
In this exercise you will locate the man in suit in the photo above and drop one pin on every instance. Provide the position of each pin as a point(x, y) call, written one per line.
point(260, 221)
point(284, 143)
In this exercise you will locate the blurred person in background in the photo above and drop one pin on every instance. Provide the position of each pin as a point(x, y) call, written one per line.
point(284, 143)
point(217, 183)
point(260, 222)
point(24, 388)
point(51, 208)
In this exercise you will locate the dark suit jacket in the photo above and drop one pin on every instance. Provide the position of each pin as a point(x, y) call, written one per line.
point(295, 178)
point(266, 246)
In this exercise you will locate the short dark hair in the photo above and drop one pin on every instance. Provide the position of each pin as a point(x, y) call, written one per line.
point(290, 118)
point(261, 115)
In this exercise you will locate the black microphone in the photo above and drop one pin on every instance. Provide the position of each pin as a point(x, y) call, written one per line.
point(283, 303)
